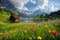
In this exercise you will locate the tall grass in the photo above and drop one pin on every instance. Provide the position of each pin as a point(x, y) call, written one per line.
point(32, 31)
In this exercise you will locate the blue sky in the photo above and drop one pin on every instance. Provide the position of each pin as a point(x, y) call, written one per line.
point(33, 5)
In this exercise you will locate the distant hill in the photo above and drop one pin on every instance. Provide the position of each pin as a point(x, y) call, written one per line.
point(55, 14)
point(4, 14)
point(38, 12)
point(24, 15)
point(7, 4)
point(52, 15)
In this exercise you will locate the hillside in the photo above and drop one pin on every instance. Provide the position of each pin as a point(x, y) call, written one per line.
point(38, 12)
point(4, 15)
point(55, 14)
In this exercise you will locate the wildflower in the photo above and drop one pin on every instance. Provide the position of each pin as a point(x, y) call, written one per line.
point(49, 30)
point(46, 26)
point(25, 31)
point(48, 20)
point(30, 38)
point(39, 37)
point(25, 26)
point(31, 30)
point(34, 24)
point(14, 30)
point(1, 33)
point(54, 32)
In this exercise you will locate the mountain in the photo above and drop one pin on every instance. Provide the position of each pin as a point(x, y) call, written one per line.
point(7, 4)
point(4, 14)
point(5, 11)
point(38, 12)
point(55, 14)
point(24, 15)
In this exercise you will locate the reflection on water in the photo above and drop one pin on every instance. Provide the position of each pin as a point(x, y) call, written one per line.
point(31, 19)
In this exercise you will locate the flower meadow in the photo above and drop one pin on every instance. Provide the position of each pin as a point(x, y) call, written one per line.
point(30, 31)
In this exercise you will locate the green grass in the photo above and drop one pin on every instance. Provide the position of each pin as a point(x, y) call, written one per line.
point(27, 31)
point(4, 15)
point(18, 31)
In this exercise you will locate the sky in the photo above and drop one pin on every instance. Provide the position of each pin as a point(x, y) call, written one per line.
point(33, 5)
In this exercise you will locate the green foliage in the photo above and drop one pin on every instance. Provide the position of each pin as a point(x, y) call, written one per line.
point(4, 14)
point(17, 31)
point(28, 31)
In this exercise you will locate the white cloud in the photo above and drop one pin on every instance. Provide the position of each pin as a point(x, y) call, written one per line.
point(53, 8)
point(25, 8)
point(28, 13)
point(33, 1)
point(19, 4)
point(42, 5)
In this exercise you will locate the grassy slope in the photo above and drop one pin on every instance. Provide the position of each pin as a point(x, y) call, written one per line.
point(4, 15)
point(17, 31)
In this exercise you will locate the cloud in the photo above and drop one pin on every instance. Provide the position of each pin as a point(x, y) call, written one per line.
point(25, 8)
point(28, 13)
point(42, 4)
point(45, 3)
point(19, 4)
point(35, 5)
point(33, 1)
point(53, 8)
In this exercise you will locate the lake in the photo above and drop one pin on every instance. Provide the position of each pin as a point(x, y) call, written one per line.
point(32, 19)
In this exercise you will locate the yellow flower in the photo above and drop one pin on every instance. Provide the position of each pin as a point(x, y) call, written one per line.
point(25, 26)
point(35, 24)
point(1, 33)
point(52, 26)
point(49, 30)
point(14, 30)
point(46, 26)
point(25, 31)
point(39, 37)
point(30, 38)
